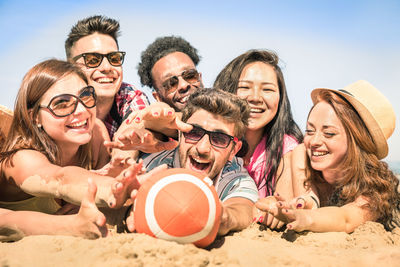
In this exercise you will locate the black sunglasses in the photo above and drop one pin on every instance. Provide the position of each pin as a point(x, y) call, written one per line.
point(93, 60)
point(217, 139)
point(171, 84)
point(65, 104)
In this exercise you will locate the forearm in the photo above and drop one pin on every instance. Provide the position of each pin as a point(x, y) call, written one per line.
point(70, 184)
point(330, 219)
point(237, 214)
point(14, 225)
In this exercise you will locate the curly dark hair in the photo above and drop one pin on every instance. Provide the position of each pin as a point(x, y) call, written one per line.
point(90, 25)
point(161, 47)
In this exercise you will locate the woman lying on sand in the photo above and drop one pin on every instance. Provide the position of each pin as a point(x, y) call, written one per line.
point(54, 141)
point(346, 183)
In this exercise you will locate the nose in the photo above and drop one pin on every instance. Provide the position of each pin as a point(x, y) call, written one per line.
point(105, 65)
point(183, 85)
point(254, 94)
point(316, 139)
point(80, 108)
point(203, 146)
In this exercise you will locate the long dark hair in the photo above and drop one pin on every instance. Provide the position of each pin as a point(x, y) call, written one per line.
point(282, 123)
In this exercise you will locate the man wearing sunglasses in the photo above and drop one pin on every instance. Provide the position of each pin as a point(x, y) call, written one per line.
point(168, 65)
point(219, 121)
point(92, 43)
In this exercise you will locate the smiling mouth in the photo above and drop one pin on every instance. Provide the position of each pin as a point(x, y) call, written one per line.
point(197, 164)
point(257, 110)
point(319, 153)
point(105, 80)
point(183, 100)
point(78, 125)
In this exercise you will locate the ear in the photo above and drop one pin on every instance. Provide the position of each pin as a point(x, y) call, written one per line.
point(156, 96)
point(235, 150)
point(201, 80)
point(35, 120)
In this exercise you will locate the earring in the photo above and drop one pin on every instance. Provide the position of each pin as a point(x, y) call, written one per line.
point(39, 126)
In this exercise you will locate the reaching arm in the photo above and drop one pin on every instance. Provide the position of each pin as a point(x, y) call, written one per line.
point(89, 222)
point(236, 214)
point(327, 219)
point(35, 175)
point(297, 165)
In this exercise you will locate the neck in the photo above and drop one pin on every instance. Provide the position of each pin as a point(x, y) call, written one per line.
point(253, 138)
point(68, 155)
point(103, 107)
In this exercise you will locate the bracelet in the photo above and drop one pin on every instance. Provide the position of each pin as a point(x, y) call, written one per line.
point(316, 201)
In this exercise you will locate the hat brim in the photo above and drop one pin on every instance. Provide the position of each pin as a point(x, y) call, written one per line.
point(370, 122)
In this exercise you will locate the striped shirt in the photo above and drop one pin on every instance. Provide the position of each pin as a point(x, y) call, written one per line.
point(233, 181)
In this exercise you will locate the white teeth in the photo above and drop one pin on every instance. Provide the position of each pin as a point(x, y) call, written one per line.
point(105, 80)
point(78, 124)
point(256, 110)
point(184, 99)
point(317, 153)
point(199, 161)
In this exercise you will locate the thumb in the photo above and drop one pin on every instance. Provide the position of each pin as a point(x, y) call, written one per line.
point(183, 126)
point(91, 193)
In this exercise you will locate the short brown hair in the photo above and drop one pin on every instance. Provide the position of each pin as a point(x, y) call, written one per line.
point(230, 107)
point(90, 25)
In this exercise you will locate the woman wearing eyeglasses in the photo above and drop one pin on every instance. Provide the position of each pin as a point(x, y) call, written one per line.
point(54, 140)
point(272, 133)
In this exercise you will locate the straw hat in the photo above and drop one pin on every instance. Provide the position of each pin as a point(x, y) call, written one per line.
point(6, 116)
point(374, 109)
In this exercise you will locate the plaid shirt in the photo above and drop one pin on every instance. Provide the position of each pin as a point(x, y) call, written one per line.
point(127, 99)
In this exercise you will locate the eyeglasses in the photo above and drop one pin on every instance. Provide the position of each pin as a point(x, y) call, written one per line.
point(93, 60)
point(191, 76)
point(65, 104)
point(217, 139)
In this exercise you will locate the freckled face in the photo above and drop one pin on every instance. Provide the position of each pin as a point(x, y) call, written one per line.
point(325, 140)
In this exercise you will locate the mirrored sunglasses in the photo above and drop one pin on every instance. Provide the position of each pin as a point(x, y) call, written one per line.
point(171, 84)
point(93, 60)
point(65, 104)
point(217, 139)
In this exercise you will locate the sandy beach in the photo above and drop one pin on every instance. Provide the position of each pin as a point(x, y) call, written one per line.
point(368, 245)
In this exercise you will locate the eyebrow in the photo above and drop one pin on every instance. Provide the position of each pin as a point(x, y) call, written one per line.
point(267, 83)
point(215, 130)
point(323, 126)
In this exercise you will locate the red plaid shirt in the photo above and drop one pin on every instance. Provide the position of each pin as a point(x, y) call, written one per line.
point(127, 99)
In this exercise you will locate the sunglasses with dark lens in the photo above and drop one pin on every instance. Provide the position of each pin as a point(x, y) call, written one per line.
point(217, 139)
point(171, 84)
point(93, 60)
point(65, 104)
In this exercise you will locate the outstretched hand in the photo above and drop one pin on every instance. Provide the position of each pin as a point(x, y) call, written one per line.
point(90, 222)
point(141, 139)
point(130, 179)
point(267, 212)
point(130, 221)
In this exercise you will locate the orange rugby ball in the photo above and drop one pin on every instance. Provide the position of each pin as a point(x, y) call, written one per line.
point(178, 205)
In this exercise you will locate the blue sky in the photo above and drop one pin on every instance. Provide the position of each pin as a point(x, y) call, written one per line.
point(321, 43)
